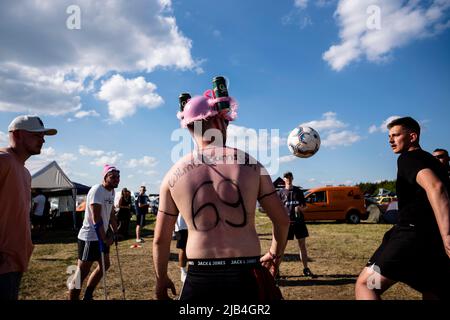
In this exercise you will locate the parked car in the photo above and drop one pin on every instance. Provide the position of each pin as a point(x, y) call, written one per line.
point(384, 201)
point(335, 203)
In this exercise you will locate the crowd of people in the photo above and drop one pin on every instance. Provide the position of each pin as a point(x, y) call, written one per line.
point(212, 209)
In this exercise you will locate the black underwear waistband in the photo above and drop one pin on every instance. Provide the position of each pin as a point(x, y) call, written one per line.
point(224, 262)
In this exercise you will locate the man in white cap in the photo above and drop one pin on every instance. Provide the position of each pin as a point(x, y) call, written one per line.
point(26, 137)
point(93, 241)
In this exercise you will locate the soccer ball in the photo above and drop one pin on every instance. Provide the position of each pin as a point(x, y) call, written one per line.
point(303, 142)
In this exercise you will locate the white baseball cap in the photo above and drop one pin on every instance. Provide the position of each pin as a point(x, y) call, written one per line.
point(30, 123)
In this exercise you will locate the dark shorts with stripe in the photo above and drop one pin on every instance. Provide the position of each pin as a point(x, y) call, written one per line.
point(140, 219)
point(299, 229)
point(240, 279)
point(90, 251)
point(410, 257)
point(181, 237)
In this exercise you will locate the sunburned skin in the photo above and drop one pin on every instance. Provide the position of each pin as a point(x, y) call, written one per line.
point(215, 190)
point(226, 187)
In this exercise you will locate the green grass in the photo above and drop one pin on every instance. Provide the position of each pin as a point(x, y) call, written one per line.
point(337, 252)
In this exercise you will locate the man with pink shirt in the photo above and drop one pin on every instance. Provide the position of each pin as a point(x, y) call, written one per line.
point(26, 137)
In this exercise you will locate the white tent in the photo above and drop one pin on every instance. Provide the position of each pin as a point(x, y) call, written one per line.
point(48, 176)
point(51, 179)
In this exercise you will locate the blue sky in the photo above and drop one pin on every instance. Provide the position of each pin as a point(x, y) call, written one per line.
point(343, 67)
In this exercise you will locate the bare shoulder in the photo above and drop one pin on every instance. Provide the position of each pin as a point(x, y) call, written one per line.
point(177, 170)
point(243, 158)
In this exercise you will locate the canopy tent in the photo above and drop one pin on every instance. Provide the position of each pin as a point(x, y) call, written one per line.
point(54, 183)
point(81, 188)
point(48, 176)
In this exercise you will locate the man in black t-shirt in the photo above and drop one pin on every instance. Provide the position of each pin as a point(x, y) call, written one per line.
point(142, 204)
point(416, 251)
point(293, 199)
point(442, 156)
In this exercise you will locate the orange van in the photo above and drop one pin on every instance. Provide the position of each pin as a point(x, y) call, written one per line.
point(335, 203)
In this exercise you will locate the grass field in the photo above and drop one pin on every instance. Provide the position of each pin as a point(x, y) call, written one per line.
point(337, 253)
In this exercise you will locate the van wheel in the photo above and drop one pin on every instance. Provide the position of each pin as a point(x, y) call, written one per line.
point(353, 217)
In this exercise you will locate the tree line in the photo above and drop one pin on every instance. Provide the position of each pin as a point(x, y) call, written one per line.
point(372, 187)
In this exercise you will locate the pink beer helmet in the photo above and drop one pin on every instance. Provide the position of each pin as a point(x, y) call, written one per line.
point(204, 107)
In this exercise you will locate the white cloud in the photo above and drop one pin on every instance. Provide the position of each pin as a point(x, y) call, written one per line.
point(343, 138)
point(3, 139)
point(331, 132)
point(329, 121)
point(383, 126)
point(124, 96)
point(45, 66)
point(83, 113)
point(150, 173)
point(146, 162)
point(373, 128)
point(85, 151)
point(400, 22)
point(298, 16)
point(64, 160)
point(81, 174)
point(302, 4)
point(100, 157)
point(29, 90)
point(286, 159)
point(110, 158)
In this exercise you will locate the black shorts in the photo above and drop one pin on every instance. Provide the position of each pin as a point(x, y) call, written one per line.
point(299, 229)
point(240, 279)
point(405, 255)
point(181, 237)
point(140, 219)
point(37, 220)
point(90, 250)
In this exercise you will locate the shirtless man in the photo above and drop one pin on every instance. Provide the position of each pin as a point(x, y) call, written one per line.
point(215, 189)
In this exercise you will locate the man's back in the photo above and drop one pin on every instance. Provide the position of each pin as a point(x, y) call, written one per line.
point(216, 193)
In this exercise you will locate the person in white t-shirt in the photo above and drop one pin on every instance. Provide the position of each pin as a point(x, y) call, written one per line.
point(181, 234)
point(37, 216)
point(98, 216)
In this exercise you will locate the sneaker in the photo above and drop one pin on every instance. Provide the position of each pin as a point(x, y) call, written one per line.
point(140, 240)
point(307, 272)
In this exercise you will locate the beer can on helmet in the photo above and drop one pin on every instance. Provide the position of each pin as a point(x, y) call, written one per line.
point(220, 90)
point(183, 98)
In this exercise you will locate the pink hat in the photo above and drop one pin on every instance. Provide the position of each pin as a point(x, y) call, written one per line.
point(107, 169)
point(203, 107)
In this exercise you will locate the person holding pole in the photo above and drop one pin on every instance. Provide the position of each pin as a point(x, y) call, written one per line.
point(93, 242)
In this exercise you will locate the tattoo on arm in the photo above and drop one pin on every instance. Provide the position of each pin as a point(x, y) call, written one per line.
point(168, 214)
